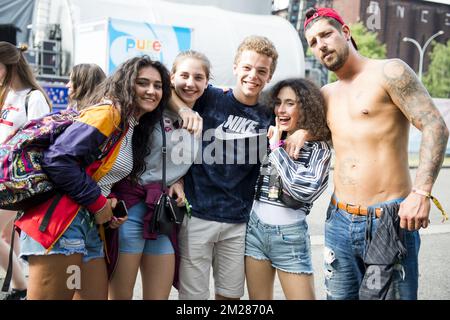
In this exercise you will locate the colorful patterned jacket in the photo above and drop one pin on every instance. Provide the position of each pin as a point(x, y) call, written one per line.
point(80, 156)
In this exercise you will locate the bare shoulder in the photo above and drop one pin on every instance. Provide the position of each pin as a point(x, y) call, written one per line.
point(328, 89)
point(395, 70)
point(401, 82)
point(407, 92)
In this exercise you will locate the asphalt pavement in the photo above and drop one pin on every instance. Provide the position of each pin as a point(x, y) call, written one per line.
point(434, 258)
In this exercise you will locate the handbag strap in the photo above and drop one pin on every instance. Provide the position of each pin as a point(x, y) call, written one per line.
point(164, 154)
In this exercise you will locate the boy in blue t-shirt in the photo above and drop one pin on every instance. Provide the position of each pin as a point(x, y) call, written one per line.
point(220, 184)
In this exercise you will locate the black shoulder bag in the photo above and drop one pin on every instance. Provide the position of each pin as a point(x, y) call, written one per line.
point(167, 214)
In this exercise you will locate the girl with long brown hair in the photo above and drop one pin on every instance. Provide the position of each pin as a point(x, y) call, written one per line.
point(106, 143)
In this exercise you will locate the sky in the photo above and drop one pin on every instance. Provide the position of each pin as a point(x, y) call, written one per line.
point(279, 4)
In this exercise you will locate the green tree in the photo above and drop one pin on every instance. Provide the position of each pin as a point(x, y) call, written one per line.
point(437, 79)
point(368, 45)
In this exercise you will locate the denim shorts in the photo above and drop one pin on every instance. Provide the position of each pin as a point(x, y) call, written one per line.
point(344, 250)
point(81, 237)
point(131, 235)
point(287, 247)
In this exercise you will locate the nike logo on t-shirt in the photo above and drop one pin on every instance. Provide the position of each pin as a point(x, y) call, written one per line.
point(237, 128)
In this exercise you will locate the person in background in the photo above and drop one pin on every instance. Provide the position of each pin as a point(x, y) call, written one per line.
point(21, 99)
point(83, 81)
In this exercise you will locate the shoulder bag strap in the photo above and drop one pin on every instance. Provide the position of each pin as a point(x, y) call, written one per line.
point(164, 154)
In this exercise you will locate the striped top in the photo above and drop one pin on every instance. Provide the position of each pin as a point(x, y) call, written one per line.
point(303, 179)
point(123, 165)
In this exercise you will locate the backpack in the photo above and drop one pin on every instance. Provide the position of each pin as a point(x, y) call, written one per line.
point(27, 100)
point(22, 180)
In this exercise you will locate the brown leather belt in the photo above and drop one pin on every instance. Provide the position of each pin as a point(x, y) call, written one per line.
point(356, 210)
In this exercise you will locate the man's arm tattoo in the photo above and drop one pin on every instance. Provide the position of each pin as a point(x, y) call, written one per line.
point(408, 93)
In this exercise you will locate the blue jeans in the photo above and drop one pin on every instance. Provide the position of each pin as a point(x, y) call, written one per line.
point(345, 246)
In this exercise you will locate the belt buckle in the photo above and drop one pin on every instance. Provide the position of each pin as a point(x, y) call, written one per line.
point(381, 211)
point(352, 205)
point(346, 207)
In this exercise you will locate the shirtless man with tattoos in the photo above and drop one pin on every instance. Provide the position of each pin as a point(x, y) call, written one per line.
point(369, 111)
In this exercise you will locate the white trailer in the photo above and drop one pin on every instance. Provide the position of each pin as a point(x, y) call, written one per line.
point(86, 24)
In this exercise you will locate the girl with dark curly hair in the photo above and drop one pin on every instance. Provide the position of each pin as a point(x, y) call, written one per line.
point(105, 144)
point(277, 237)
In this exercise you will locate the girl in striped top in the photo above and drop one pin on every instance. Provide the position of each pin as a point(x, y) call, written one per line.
point(277, 237)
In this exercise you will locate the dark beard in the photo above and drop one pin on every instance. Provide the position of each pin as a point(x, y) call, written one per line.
point(341, 59)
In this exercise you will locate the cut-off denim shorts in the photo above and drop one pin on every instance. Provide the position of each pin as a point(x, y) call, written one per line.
point(80, 238)
point(131, 235)
point(287, 247)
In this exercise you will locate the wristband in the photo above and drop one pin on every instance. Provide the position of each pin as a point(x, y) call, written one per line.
point(422, 192)
point(277, 145)
point(435, 201)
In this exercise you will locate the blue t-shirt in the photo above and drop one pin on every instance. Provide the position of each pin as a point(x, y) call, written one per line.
point(220, 184)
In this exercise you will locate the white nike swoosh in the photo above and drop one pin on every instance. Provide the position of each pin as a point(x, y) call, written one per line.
point(219, 133)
